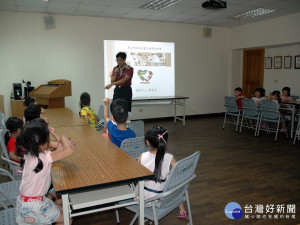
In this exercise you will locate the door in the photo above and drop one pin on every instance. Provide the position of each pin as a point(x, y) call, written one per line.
point(253, 71)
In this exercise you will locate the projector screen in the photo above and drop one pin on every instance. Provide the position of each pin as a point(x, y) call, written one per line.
point(153, 64)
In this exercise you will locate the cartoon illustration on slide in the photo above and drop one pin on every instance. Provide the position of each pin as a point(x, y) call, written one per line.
point(145, 75)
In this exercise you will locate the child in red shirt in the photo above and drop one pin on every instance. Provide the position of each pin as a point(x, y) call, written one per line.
point(13, 126)
point(239, 96)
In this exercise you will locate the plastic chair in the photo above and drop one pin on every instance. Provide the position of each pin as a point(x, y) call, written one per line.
point(9, 190)
point(8, 215)
point(270, 114)
point(250, 112)
point(134, 146)
point(137, 126)
point(232, 110)
point(2, 120)
point(294, 97)
point(14, 167)
point(101, 121)
point(297, 134)
point(174, 193)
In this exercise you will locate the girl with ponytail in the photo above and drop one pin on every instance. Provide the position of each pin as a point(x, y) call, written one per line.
point(32, 206)
point(159, 162)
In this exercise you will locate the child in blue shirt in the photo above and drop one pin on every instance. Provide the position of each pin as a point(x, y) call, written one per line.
point(119, 111)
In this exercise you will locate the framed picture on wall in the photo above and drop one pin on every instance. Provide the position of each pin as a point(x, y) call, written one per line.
point(287, 62)
point(277, 62)
point(297, 62)
point(268, 63)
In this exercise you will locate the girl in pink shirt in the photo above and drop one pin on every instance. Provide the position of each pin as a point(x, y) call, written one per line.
point(32, 206)
point(286, 95)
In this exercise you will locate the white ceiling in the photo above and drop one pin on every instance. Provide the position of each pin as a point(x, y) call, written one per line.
point(187, 11)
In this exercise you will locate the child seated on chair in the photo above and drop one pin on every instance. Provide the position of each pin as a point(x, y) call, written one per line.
point(87, 112)
point(32, 112)
point(13, 126)
point(31, 101)
point(286, 95)
point(275, 97)
point(119, 110)
point(32, 206)
point(259, 95)
point(239, 96)
point(159, 162)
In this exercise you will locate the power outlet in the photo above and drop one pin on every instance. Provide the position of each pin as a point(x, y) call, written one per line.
point(140, 110)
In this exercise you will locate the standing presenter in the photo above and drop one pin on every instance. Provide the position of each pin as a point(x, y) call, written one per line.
point(121, 77)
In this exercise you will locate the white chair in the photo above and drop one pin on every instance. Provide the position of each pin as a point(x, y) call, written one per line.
point(270, 114)
point(101, 121)
point(2, 120)
point(294, 97)
point(134, 146)
point(251, 113)
point(232, 110)
point(8, 215)
point(137, 126)
point(15, 168)
point(9, 190)
point(297, 134)
point(174, 193)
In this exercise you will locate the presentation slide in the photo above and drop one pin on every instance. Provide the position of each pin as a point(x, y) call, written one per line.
point(153, 64)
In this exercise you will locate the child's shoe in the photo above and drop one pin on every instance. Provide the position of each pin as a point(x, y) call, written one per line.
point(182, 215)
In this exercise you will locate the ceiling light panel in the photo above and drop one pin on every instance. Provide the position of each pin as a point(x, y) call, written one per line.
point(159, 4)
point(252, 13)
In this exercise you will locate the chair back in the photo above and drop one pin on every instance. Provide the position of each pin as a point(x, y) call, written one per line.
point(14, 166)
point(182, 171)
point(230, 104)
point(134, 146)
point(2, 120)
point(137, 126)
point(2, 142)
point(294, 97)
point(101, 112)
point(249, 108)
point(269, 110)
point(9, 190)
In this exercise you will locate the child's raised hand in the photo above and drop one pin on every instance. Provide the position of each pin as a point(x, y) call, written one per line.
point(72, 142)
point(52, 130)
point(106, 101)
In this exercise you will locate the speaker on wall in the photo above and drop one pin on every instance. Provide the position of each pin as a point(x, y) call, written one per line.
point(206, 32)
point(17, 91)
point(49, 22)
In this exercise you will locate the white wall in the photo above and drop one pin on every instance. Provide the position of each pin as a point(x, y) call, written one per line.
point(74, 51)
point(277, 31)
point(276, 79)
point(280, 37)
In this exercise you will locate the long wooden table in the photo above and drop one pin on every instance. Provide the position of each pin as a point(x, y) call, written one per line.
point(63, 117)
point(95, 164)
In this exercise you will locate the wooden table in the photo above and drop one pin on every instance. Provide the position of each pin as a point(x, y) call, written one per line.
point(173, 100)
point(95, 163)
point(63, 117)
